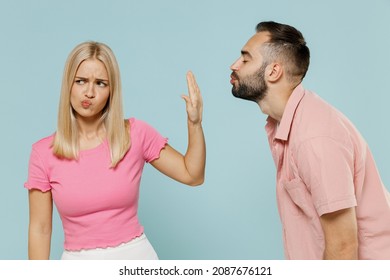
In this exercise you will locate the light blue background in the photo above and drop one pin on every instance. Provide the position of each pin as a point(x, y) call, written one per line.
point(234, 214)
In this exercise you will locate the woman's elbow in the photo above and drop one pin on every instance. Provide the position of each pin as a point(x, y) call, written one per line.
point(195, 182)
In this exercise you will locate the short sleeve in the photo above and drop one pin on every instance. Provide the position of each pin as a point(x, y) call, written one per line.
point(37, 174)
point(152, 141)
point(327, 168)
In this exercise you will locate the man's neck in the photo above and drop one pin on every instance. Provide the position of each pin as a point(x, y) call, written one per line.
point(275, 101)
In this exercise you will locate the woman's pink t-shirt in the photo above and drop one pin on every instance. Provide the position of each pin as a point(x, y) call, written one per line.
point(97, 204)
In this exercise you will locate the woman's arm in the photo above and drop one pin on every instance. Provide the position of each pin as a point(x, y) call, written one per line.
point(190, 168)
point(39, 231)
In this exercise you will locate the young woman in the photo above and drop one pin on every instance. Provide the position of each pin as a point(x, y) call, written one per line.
point(91, 166)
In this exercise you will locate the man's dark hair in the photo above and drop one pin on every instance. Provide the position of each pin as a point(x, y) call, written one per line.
point(287, 45)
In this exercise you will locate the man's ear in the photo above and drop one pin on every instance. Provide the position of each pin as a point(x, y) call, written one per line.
point(274, 72)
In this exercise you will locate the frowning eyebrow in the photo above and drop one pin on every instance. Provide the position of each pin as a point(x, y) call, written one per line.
point(83, 78)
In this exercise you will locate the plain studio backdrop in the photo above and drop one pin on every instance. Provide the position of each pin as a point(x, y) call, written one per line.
point(234, 214)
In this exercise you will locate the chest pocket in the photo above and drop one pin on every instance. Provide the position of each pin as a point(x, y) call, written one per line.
point(300, 197)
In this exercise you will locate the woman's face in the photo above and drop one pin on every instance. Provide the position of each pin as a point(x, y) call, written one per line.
point(90, 90)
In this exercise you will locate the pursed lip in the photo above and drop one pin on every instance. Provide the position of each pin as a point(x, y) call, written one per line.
point(86, 103)
point(233, 78)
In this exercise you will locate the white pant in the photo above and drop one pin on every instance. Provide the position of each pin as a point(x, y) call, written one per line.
point(138, 248)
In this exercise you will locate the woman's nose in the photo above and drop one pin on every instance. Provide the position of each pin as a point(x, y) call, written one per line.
point(90, 92)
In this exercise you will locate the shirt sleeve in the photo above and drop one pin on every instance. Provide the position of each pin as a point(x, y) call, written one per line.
point(37, 175)
point(327, 168)
point(152, 142)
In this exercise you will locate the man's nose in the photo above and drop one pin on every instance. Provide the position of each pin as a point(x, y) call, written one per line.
point(235, 65)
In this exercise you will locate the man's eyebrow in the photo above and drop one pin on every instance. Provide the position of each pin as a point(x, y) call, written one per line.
point(246, 53)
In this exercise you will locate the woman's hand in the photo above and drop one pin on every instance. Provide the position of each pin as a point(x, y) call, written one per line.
point(194, 102)
point(190, 168)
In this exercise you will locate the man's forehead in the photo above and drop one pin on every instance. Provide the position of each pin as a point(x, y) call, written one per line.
point(259, 38)
point(255, 42)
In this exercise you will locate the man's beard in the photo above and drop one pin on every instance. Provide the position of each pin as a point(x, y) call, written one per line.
point(253, 87)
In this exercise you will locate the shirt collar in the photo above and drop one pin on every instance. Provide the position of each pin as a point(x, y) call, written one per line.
point(283, 129)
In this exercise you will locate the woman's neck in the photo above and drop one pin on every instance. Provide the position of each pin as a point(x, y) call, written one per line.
point(91, 133)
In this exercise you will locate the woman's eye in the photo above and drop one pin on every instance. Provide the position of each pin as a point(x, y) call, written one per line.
point(80, 82)
point(101, 84)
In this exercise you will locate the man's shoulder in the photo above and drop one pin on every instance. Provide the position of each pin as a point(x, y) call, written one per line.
point(317, 118)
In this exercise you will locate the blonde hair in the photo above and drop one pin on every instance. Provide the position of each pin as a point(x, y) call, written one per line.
point(66, 142)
